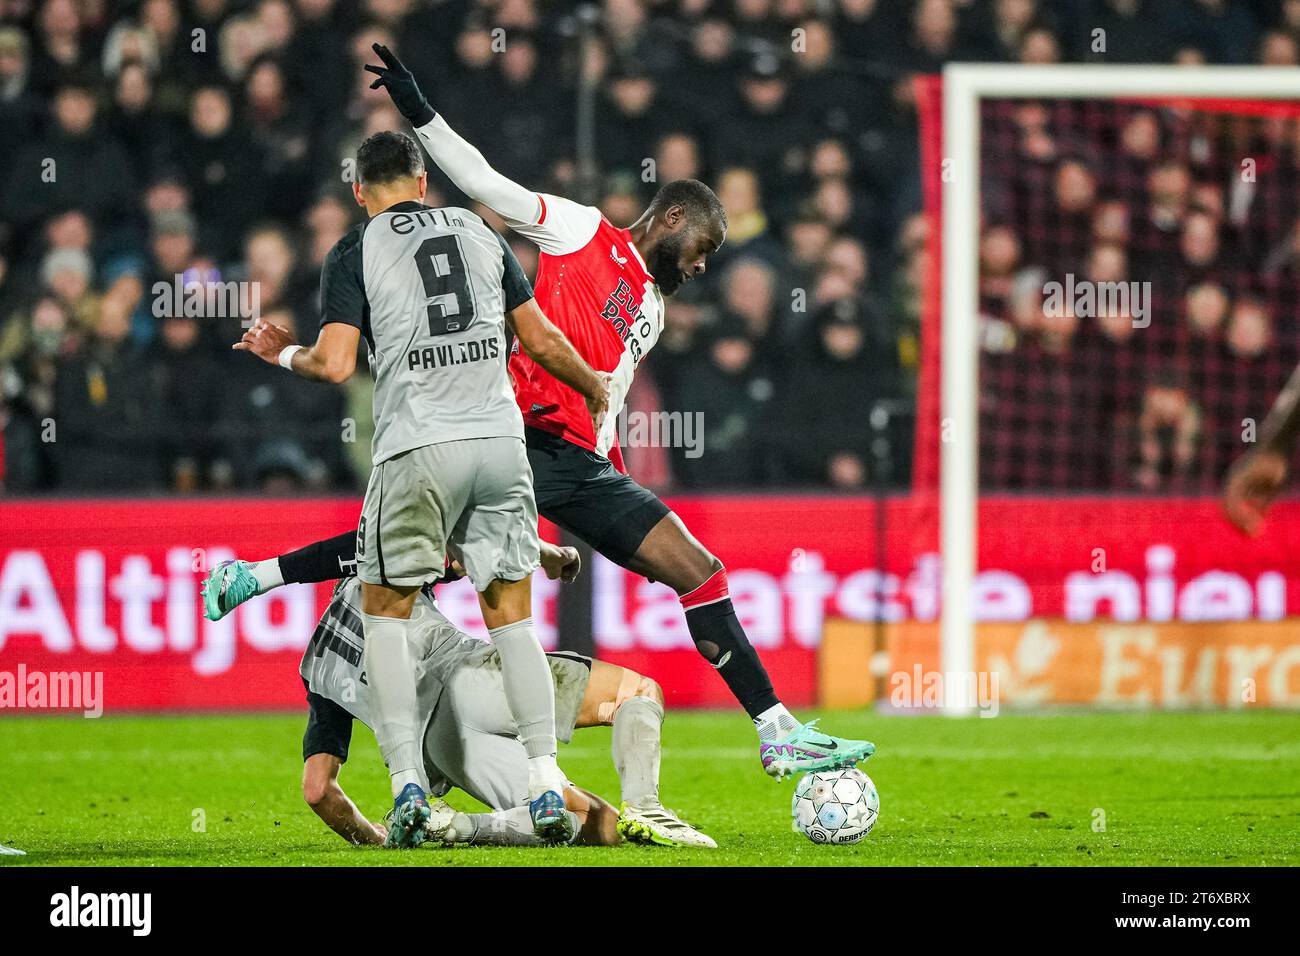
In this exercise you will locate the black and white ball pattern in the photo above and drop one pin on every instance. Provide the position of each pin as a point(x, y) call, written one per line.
point(835, 806)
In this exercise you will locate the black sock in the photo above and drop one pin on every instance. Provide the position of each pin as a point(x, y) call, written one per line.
point(326, 560)
point(718, 636)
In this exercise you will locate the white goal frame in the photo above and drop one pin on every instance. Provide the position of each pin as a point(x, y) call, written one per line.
point(964, 86)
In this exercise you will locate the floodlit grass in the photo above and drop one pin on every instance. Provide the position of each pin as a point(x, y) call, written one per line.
point(1058, 789)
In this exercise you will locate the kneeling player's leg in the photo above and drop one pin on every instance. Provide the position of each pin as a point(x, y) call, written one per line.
point(634, 706)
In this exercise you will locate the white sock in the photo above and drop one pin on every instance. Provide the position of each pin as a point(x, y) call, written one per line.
point(544, 774)
point(400, 779)
point(635, 745)
point(775, 723)
point(268, 574)
point(530, 695)
point(393, 703)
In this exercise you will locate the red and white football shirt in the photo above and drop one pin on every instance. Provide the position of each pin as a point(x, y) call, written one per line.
point(592, 283)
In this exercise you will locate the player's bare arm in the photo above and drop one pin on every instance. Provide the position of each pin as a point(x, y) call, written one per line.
point(597, 818)
point(321, 790)
point(332, 359)
point(547, 346)
point(1259, 476)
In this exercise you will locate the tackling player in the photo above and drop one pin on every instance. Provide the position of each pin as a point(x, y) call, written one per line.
point(604, 287)
point(432, 291)
point(1259, 475)
point(470, 740)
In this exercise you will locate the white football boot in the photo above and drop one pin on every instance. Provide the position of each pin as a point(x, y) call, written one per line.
point(652, 823)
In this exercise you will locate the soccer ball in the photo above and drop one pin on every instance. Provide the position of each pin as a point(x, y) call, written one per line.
point(835, 806)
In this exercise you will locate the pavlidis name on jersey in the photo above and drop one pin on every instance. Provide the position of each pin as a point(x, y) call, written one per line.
point(460, 353)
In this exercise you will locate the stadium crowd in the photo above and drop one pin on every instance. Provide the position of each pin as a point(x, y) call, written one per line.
point(149, 145)
point(1140, 271)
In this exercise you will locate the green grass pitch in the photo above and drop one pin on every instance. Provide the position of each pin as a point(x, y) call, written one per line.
point(1049, 790)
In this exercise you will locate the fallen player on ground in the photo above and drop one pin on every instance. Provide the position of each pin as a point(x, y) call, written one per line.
point(469, 736)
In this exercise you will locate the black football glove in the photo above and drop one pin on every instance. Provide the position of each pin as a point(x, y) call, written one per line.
point(401, 86)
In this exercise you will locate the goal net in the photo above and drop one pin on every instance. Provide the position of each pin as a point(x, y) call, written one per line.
point(1117, 303)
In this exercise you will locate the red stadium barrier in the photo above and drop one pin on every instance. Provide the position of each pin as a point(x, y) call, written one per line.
point(112, 587)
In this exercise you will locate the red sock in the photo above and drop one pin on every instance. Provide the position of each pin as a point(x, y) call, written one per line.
point(710, 592)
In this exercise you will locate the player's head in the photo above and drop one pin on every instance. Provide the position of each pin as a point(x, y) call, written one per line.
point(691, 223)
point(390, 170)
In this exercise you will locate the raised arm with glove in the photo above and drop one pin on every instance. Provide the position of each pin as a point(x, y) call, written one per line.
point(463, 164)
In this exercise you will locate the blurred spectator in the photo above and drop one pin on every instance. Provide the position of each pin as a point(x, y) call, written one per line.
point(630, 124)
point(1250, 330)
point(767, 131)
point(1129, 31)
point(1169, 428)
point(281, 132)
point(748, 228)
point(20, 108)
point(840, 371)
point(1039, 46)
point(271, 263)
point(749, 296)
point(107, 435)
point(67, 275)
point(283, 433)
point(1225, 30)
point(59, 52)
point(222, 166)
point(728, 386)
point(184, 377)
point(143, 131)
point(1207, 307)
point(75, 164)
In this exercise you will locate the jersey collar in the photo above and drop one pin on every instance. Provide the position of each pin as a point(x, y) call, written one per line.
point(632, 245)
point(409, 205)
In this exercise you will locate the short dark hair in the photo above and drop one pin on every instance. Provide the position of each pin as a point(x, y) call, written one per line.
point(386, 157)
point(701, 203)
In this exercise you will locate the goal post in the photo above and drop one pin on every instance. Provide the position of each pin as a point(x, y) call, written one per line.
point(964, 87)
